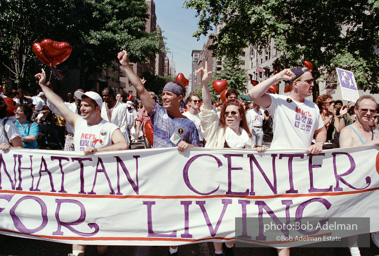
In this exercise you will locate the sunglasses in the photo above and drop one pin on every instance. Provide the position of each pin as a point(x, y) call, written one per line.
point(196, 101)
point(367, 109)
point(233, 113)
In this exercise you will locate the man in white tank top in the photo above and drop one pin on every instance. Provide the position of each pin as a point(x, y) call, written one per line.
point(358, 134)
point(92, 132)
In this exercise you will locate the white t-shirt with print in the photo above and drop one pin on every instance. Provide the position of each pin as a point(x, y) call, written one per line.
point(294, 123)
point(254, 118)
point(97, 136)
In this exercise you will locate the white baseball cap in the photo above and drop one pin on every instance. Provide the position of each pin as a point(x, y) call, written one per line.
point(41, 94)
point(90, 94)
point(129, 103)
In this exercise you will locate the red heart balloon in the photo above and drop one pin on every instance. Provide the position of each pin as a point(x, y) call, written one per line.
point(217, 104)
point(181, 79)
point(254, 82)
point(308, 65)
point(288, 88)
point(223, 95)
point(11, 106)
point(38, 51)
point(51, 52)
point(149, 131)
point(220, 85)
point(273, 88)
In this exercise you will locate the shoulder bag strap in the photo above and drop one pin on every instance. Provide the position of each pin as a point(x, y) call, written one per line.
point(5, 132)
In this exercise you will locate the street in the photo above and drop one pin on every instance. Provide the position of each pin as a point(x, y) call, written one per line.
point(11, 246)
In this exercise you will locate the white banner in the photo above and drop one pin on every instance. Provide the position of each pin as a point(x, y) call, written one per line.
point(164, 197)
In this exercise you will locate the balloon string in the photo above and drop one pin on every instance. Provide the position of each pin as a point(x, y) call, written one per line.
point(59, 74)
point(56, 73)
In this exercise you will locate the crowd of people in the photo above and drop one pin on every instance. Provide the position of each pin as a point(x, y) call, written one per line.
point(93, 122)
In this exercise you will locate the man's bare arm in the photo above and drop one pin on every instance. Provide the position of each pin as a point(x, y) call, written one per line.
point(258, 93)
point(346, 138)
point(118, 143)
point(147, 101)
point(204, 74)
point(320, 139)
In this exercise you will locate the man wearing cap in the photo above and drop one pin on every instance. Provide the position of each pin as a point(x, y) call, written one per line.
point(99, 135)
point(296, 119)
point(92, 132)
point(171, 128)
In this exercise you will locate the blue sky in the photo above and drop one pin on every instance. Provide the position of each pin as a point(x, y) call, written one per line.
point(178, 25)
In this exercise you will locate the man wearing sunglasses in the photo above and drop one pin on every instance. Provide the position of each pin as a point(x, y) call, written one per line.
point(193, 102)
point(296, 120)
point(360, 133)
point(357, 134)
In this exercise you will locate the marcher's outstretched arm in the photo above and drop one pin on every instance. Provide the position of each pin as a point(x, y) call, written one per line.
point(258, 92)
point(204, 73)
point(57, 101)
point(147, 101)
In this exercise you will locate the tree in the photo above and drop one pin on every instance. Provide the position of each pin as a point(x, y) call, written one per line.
point(234, 74)
point(115, 25)
point(97, 30)
point(154, 83)
point(327, 33)
point(21, 23)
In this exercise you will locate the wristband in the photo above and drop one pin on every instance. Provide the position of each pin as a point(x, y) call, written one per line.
point(319, 141)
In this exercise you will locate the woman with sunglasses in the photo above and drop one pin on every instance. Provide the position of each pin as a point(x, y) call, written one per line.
point(230, 130)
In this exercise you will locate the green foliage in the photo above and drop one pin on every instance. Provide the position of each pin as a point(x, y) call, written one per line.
point(21, 22)
point(324, 32)
point(96, 29)
point(155, 83)
point(234, 74)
